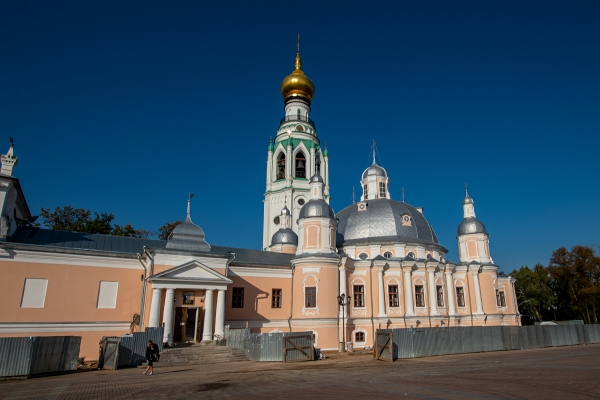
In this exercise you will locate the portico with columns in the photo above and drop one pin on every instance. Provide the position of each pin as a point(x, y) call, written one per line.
point(191, 276)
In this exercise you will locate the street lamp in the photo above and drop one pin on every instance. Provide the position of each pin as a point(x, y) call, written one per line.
point(344, 302)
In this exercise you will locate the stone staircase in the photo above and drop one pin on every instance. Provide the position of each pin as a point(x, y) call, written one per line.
point(198, 354)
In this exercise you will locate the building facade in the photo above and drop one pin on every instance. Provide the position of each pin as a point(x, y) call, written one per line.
point(381, 255)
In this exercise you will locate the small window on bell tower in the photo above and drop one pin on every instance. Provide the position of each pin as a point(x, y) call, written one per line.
point(281, 166)
point(300, 165)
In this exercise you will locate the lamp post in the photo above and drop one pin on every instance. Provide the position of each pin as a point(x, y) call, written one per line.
point(343, 301)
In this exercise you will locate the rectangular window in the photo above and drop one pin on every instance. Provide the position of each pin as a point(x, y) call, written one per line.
point(460, 296)
point(276, 299)
point(34, 293)
point(439, 290)
point(497, 298)
point(310, 297)
point(419, 296)
point(502, 299)
point(359, 296)
point(107, 294)
point(393, 295)
point(381, 189)
point(359, 337)
point(237, 300)
point(366, 192)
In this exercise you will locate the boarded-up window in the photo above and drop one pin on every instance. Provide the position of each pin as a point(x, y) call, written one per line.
point(107, 294)
point(34, 293)
point(440, 295)
point(471, 249)
point(312, 236)
point(460, 296)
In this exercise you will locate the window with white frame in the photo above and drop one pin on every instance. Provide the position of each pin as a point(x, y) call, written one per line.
point(359, 295)
point(359, 336)
point(439, 291)
point(366, 192)
point(388, 254)
point(363, 256)
point(310, 297)
point(419, 296)
point(500, 298)
point(34, 293)
point(393, 296)
point(381, 189)
point(460, 296)
point(107, 294)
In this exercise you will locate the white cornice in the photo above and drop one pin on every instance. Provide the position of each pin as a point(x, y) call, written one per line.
point(33, 327)
point(260, 272)
point(40, 257)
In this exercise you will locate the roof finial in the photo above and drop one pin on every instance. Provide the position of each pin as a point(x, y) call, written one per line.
point(353, 197)
point(298, 62)
point(373, 150)
point(466, 188)
point(298, 43)
point(190, 195)
point(403, 194)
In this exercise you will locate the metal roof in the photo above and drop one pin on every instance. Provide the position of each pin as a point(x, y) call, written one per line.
point(122, 244)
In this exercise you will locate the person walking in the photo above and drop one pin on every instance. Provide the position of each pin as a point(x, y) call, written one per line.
point(152, 355)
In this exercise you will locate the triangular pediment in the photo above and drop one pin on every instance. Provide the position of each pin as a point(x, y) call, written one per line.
point(193, 271)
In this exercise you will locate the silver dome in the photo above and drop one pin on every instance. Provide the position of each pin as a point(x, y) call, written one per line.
point(188, 236)
point(471, 225)
point(285, 236)
point(374, 169)
point(285, 210)
point(468, 199)
point(316, 208)
point(381, 222)
point(316, 178)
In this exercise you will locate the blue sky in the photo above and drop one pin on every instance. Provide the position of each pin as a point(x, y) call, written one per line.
point(125, 107)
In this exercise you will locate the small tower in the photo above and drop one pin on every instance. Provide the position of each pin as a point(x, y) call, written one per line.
point(316, 222)
point(285, 239)
point(187, 235)
point(375, 182)
point(473, 240)
point(9, 161)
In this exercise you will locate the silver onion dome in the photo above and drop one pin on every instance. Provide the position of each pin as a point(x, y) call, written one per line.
point(188, 236)
point(316, 208)
point(285, 236)
point(383, 221)
point(374, 169)
point(316, 178)
point(285, 211)
point(468, 199)
point(471, 225)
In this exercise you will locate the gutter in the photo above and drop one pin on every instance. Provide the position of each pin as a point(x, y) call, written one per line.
point(292, 301)
point(371, 285)
point(144, 278)
point(228, 262)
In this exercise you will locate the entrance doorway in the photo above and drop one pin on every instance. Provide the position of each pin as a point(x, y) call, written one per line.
point(188, 324)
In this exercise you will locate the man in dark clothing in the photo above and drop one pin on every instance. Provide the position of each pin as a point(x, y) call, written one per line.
point(151, 356)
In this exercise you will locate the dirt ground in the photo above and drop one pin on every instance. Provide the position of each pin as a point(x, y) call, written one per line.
point(552, 373)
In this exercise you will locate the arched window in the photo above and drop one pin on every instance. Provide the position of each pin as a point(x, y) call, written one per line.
point(366, 192)
point(388, 254)
point(363, 256)
point(300, 165)
point(411, 255)
point(299, 114)
point(281, 166)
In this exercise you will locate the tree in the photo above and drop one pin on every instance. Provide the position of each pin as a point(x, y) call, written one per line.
point(165, 231)
point(73, 219)
point(533, 291)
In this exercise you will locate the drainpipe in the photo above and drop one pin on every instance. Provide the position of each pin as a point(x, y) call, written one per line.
point(229, 262)
point(469, 290)
point(139, 257)
point(292, 300)
point(372, 322)
point(145, 287)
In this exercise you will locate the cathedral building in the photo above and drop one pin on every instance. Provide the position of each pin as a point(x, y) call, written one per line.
point(381, 256)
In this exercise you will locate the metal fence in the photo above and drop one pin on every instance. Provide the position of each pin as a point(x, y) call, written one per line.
point(131, 347)
point(425, 342)
point(38, 355)
point(265, 346)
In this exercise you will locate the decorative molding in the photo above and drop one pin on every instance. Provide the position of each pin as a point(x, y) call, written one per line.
point(422, 311)
point(33, 327)
point(47, 257)
point(311, 311)
point(359, 312)
point(394, 311)
point(307, 270)
point(260, 272)
point(359, 273)
point(461, 310)
point(390, 272)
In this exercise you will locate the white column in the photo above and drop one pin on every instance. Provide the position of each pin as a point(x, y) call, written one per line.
point(381, 293)
point(155, 308)
point(343, 285)
point(477, 293)
point(207, 333)
point(408, 297)
point(168, 316)
point(312, 162)
point(450, 286)
point(220, 317)
point(432, 292)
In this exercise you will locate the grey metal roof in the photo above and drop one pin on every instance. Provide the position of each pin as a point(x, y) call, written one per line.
point(316, 208)
point(188, 236)
point(128, 245)
point(381, 222)
point(374, 169)
point(285, 236)
point(316, 178)
point(471, 225)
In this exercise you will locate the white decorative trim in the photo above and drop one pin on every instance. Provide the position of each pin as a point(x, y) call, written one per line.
point(418, 273)
point(390, 272)
point(354, 336)
point(394, 311)
point(46, 257)
point(311, 311)
point(33, 327)
point(260, 272)
point(308, 270)
point(359, 273)
point(461, 310)
point(421, 311)
point(459, 276)
point(359, 312)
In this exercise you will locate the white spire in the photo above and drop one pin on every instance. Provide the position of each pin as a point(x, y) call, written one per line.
point(9, 161)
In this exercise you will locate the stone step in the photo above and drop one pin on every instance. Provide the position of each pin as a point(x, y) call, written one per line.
point(200, 354)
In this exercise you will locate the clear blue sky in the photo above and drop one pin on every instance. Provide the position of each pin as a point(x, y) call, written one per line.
point(126, 107)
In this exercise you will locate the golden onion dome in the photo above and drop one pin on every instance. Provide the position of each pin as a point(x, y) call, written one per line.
point(297, 83)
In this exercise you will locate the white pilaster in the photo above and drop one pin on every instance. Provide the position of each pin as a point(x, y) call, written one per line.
point(477, 293)
point(168, 316)
point(207, 333)
point(450, 286)
point(381, 293)
point(432, 292)
point(155, 308)
point(220, 317)
point(408, 296)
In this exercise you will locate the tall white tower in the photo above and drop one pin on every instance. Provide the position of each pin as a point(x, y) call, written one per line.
point(295, 154)
point(473, 239)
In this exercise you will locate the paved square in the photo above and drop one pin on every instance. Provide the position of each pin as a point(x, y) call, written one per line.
point(563, 373)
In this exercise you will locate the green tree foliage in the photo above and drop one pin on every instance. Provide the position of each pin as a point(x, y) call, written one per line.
point(534, 293)
point(73, 219)
point(165, 231)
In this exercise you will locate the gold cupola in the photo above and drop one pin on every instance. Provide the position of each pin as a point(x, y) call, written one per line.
point(297, 84)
